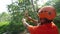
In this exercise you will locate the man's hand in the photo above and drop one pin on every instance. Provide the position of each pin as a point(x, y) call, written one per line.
point(25, 23)
point(23, 20)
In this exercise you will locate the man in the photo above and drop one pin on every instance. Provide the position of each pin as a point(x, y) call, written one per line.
point(45, 22)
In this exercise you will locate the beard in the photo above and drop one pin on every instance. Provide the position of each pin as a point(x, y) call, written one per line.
point(44, 21)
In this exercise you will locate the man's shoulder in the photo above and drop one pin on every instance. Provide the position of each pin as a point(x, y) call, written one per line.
point(54, 26)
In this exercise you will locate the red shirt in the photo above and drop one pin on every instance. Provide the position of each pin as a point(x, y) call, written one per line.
point(49, 28)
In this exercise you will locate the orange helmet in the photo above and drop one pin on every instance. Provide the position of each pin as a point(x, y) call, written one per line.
point(48, 12)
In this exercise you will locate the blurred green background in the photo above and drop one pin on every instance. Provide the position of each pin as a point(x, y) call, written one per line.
point(10, 23)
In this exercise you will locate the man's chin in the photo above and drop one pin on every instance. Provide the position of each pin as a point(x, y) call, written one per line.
point(42, 22)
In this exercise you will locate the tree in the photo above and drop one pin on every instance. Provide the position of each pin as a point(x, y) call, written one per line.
point(17, 10)
point(4, 17)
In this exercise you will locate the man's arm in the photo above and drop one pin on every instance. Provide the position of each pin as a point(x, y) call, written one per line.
point(25, 23)
point(30, 19)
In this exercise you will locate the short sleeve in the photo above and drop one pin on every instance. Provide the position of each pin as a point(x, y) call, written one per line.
point(31, 29)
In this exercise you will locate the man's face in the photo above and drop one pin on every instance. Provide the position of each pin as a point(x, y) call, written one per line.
point(44, 20)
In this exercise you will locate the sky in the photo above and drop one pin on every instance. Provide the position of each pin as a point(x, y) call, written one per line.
point(42, 2)
point(4, 3)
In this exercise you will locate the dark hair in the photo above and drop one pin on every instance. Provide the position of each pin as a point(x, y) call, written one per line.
point(48, 21)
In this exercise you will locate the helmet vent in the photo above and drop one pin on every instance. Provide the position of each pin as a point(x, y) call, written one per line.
point(41, 11)
point(49, 13)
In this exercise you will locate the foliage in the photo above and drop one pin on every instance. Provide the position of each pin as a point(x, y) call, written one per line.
point(4, 17)
point(17, 10)
point(3, 26)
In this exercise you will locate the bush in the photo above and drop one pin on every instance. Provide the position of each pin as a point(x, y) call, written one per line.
point(57, 21)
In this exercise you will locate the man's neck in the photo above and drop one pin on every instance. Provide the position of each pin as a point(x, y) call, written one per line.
point(45, 23)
